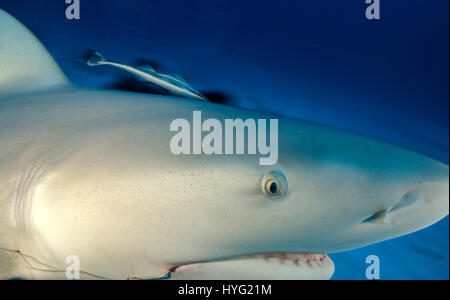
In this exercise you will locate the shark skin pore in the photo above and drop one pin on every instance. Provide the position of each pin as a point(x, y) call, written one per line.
point(89, 174)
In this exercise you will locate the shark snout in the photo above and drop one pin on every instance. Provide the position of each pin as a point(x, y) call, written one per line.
point(423, 201)
point(426, 201)
point(425, 204)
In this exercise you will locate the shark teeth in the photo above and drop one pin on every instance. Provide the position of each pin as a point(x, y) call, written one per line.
point(294, 257)
point(301, 259)
point(263, 266)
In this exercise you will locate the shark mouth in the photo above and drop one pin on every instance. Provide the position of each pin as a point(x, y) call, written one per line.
point(265, 266)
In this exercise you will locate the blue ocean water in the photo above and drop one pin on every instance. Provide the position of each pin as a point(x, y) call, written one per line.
point(315, 60)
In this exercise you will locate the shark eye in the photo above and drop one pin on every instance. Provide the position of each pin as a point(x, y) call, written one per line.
point(273, 187)
point(274, 184)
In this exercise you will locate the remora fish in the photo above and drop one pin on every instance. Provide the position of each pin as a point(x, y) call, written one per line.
point(88, 174)
point(174, 84)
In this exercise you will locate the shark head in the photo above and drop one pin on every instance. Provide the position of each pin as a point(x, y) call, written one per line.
point(330, 191)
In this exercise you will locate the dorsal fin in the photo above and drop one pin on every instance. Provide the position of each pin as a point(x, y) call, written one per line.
point(25, 65)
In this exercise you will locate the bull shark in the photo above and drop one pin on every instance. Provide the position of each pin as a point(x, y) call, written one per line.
point(88, 173)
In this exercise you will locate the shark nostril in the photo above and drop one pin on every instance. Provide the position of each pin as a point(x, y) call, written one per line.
point(428, 201)
point(408, 199)
point(377, 217)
